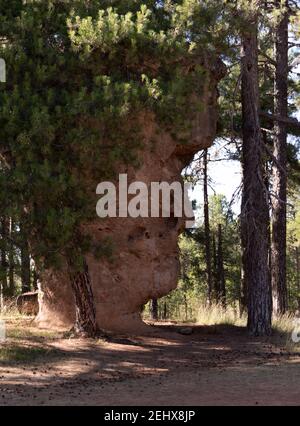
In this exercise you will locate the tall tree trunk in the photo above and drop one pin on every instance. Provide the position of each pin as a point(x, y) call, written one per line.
point(254, 215)
point(268, 190)
point(220, 269)
point(279, 172)
point(207, 228)
point(154, 309)
point(85, 323)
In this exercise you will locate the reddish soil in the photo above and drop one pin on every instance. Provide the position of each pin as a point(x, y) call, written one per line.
point(218, 365)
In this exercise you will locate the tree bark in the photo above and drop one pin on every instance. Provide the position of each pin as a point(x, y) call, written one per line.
point(279, 171)
point(207, 229)
point(85, 323)
point(267, 186)
point(254, 215)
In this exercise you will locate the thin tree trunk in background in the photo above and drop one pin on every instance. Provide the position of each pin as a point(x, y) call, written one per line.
point(154, 309)
point(220, 268)
point(279, 172)
point(215, 271)
point(185, 307)
point(4, 262)
point(85, 323)
point(1, 297)
point(165, 314)
point(207, 228)
point(11, 261)
point(25, 264)
point(243, 292)
point(11, 276)
point(267, 186)
point(35, 280)
point(298, 276)
point(254, 215)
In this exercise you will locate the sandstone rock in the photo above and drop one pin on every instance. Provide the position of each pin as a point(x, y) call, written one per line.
point(145, 262)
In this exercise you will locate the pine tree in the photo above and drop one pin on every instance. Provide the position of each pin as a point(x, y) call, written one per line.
point(279, 199)
point(254, 216)
point(207, 228)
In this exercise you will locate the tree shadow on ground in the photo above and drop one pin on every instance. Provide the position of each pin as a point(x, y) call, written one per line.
point(62, 365)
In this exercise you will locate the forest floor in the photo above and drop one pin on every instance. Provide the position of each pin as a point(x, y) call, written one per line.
point(215, 365)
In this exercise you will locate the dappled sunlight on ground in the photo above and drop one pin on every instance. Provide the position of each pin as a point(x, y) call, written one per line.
point(165, 367)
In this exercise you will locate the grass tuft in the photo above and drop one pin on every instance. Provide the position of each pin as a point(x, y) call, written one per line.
point(19, 353)
point(284, 327)
point(217, 315)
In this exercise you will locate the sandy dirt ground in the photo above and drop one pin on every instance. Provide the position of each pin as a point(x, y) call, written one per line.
point(219, 365)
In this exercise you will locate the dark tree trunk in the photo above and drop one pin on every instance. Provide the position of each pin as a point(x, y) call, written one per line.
point(154, 309)
point(185, 307)
point(298, 276)
point(207, 228)
point(165, 314)
point(25, 265)
point(243, 284)
point(220, 269)
point(4, 260)
point(254, 215)
point(267, 185)
point(214, 270)
point(11, 261)
point(85, 323)
point(279, 172)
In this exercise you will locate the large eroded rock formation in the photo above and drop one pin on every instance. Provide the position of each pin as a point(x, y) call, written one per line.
point(145, 260)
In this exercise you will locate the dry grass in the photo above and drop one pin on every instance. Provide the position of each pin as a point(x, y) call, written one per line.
point(284, 327)
point(10, 311)
point(217, 315)
point(284, 324)
point(14, 353)
point(20, 327)
point(24, 342)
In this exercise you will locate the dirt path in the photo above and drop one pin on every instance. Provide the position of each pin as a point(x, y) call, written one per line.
point(213, 366)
